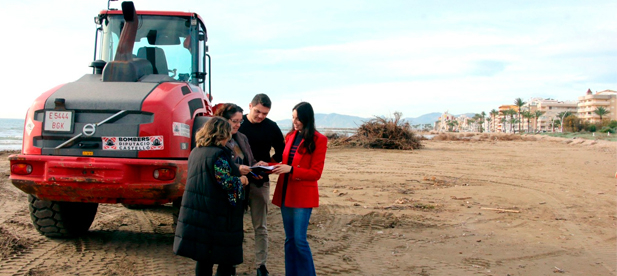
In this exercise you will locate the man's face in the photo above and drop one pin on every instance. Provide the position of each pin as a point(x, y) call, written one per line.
point(257, 113)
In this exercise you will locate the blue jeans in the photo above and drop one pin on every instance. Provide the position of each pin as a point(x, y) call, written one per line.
point(298, 256)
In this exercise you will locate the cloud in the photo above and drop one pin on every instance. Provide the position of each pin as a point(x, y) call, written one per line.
point(359, 58)
point(488, 68)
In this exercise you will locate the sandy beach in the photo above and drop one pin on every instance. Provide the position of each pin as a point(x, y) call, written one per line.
point(477, 206)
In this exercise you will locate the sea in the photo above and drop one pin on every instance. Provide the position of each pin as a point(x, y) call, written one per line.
point(11, 134)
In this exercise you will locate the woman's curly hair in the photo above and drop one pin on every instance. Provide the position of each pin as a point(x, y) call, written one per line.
point(213, 133)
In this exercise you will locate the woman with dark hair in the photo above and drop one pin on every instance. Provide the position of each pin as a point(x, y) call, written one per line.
point(210, 220)
point(241, 152)
point(238, 144)
point(296, 190)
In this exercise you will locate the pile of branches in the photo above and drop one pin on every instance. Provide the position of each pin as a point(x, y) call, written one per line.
point(382, 133)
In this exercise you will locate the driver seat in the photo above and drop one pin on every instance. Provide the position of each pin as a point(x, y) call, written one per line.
point(156, 56)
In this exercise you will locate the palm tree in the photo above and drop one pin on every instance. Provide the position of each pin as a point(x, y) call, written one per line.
point(478, 119)
point(537, 115)
point(519, 102)
point(470, 122)
point(488, 120)
point(511, 112)
point(557, 123)
point(527, 115)
point(563, 115)
point(494, 114)
point(601, 111)
point(503, 121)
point(482, 123)
point(451, 124)
point(513, 122)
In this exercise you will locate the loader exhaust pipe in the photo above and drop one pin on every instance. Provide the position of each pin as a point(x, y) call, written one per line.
point(127, 37)
point(124, 67)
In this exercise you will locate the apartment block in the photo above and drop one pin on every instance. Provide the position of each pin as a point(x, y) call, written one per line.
point(590, 102)
point(503, 122)
point(551, 109)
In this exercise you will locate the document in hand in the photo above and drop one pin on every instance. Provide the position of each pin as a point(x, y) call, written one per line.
point(265, 169)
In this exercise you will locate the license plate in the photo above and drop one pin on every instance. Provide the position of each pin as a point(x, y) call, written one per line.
point(58, 121)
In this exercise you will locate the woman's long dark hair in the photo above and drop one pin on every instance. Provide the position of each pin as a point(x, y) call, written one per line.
point(227, 110)
point(305, 114)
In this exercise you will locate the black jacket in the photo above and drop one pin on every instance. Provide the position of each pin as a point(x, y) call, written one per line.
point(209, 228)
point(263, 137)
point(243, 143)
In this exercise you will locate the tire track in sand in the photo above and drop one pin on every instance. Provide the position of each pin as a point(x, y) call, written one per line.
point(336, 240)
point(131, 242)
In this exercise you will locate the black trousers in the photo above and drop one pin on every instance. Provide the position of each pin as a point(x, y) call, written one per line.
point(205, 268)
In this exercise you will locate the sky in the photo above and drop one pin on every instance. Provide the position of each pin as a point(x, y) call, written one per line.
point(359, 58)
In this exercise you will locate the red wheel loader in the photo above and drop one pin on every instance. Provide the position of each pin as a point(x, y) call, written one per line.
point(122, 134)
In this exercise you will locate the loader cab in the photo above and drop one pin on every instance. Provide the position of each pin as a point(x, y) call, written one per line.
point(174, 43)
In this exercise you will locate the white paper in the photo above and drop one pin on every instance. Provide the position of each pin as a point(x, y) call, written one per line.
point(267, 168)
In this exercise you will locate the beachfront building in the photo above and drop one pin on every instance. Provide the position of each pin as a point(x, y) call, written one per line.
point(551, 109)
point(449, 122)
point(465, 124)
point(446, 123)
point(504, 121)
point(590, 102)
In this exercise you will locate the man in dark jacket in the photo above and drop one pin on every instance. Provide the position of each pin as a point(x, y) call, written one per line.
point(263, 135)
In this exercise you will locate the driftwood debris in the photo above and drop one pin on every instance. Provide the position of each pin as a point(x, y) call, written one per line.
point(501, 210)
point(460, 198)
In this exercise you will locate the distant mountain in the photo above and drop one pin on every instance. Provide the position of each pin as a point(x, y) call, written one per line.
point(430, 118)
point(334, 120)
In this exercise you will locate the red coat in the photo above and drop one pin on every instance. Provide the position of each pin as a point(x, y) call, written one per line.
point(302, 191)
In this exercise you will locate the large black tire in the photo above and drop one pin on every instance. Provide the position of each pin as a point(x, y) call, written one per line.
point(139, 206)
point(56, 219)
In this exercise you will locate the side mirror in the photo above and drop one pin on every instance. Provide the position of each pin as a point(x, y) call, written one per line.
point(200, 76)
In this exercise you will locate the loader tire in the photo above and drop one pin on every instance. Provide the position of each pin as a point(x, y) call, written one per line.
point(139, 206)
point(56, 219)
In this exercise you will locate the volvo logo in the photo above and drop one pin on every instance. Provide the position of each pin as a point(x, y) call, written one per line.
point(89, 129)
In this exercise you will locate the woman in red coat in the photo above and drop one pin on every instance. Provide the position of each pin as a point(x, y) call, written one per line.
point(296, 190)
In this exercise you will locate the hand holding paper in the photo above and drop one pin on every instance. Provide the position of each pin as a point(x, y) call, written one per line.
point(281, 168)
point(265, 169)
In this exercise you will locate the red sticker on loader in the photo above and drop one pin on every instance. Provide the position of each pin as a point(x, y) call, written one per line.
point(133, 143)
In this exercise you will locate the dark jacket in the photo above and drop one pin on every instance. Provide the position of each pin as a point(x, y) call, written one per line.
point(209, 227)
point(263, 137)
point(243, 143)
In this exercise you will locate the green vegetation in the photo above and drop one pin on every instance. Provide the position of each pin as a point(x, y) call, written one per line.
point(566, 123)
point(601, 111)
point(584, 135)
point(519, 103)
